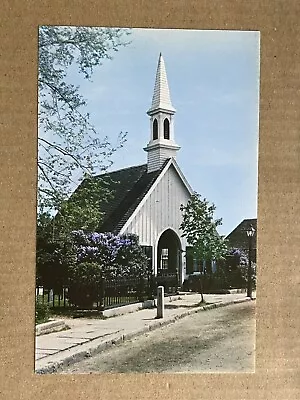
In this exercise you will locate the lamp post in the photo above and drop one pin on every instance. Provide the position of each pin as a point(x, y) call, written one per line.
point(250, 233)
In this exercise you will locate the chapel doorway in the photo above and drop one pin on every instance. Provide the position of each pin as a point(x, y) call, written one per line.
point(169, 260)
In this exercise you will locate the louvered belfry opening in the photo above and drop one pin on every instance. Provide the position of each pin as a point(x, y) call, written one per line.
point(155, 129)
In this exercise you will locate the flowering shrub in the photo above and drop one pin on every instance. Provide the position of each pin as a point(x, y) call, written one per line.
point(237, 268)
point(239, 255)
point(118, 255)
point(102, 255)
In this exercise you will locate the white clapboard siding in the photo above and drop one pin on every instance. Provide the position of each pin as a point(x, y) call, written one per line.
point(157, 157)
point(161, 210)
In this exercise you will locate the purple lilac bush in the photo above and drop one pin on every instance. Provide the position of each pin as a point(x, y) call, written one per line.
point(238, 268)
point(239, 255)
point(116, 255)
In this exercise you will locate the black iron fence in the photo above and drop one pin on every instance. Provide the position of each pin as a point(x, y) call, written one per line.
point(110, 293)
point(167, 279)
point(59, 298)
point(124, 291)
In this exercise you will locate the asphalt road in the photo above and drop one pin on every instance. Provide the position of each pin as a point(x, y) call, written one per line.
point(218, 340)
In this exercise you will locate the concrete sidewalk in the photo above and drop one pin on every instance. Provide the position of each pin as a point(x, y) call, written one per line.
point(87, 336)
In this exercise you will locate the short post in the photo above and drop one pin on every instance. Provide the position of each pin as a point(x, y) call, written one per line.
point(101, 299)
point(51, 297)
point(160, 302)
point(141, 289)
point(250, 233)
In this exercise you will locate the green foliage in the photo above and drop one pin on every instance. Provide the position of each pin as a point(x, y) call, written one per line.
point(42, 312)
point(238, 277)
point(80, 260)
point(84, 283)
point(234, 269)
point(83, 209)
point(69, 145)
point(54, 254)
point(200, 229)
point(102, 256)
point(86, 274)
point(206, 283)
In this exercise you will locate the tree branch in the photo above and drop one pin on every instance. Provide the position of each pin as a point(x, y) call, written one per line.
point(54, 170)
point(66, 153)
point(46, 177)
point(58, 92)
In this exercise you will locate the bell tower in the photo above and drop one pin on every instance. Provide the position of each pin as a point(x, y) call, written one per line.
point(162, 144)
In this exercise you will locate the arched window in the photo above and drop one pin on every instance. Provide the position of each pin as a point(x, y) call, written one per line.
point(166, 129)
point(155, 129)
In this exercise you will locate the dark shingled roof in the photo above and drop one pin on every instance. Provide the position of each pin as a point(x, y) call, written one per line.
point(128, 187)
point(238, 237)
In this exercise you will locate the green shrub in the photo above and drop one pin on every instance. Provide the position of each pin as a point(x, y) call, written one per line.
point(42, 312)
point(85, 281)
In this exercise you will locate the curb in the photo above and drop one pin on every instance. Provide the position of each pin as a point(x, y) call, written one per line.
point(130, 308)
point(91, 351)
point(50, 327)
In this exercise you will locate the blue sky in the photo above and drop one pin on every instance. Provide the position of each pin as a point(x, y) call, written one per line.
point(214, 85)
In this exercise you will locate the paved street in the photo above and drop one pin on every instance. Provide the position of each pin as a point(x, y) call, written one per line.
point(219, 340)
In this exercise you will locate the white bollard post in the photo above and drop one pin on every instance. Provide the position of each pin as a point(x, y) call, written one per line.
point(51, 296)
point(160, 302)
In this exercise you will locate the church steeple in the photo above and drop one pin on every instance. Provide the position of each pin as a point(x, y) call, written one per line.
point(161, 96)
point(162, 145)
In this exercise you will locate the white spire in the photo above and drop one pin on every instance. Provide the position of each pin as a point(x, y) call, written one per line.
point(162, 145)
point(161, 96)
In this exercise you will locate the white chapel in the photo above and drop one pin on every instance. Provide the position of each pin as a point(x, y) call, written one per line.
point(147, 198)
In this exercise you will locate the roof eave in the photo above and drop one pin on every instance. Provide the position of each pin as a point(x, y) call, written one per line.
point(157, 180)
point(167, 110)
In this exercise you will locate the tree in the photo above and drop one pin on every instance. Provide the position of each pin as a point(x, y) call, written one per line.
point(54, 255)
point(200, 229)
point(83, 209)
point(68, 144)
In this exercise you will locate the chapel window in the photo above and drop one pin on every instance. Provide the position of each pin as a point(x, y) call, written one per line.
point(166, 129)
point(155, 129)
point(164, 261)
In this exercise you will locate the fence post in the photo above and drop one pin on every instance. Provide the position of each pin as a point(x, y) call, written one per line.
point(51, 297)
point(151, 287)
point(141, 288)
point(160, 302)
point(102, 294)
